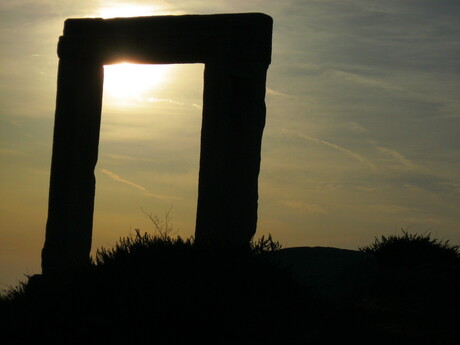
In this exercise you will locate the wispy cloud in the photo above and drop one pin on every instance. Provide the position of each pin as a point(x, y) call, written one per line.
point(355, 127)
point(365, 80)
point(117, 178)
point(347, 152)
point(303, 207)
point(420, 182)
point(272, 92)
point(130, 158)
point(398, 157)
point(389, 209)
point(163, 100)
point(11, 152)
point(450, 104)
point(163, 197)
point(422, 220)
point(366, 189)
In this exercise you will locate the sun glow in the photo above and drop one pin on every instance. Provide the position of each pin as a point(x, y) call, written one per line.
point(128, 10)
point(125, 82)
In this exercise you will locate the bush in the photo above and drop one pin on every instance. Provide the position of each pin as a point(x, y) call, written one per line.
point(153, 288)
point(413, 250)
point(418, 275)
point(138, 246)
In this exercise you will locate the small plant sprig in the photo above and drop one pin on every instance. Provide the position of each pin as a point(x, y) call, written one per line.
point(163, 228)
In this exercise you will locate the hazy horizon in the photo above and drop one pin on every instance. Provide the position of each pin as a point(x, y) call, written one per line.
point(361, 136)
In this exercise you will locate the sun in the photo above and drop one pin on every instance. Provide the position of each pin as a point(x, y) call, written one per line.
point(126, 83)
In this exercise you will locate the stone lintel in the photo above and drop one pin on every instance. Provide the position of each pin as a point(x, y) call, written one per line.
point(170, 39)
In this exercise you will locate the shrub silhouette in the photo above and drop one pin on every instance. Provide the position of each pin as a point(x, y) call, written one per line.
point(158, 289)
point(412, 250)
point(417, 275)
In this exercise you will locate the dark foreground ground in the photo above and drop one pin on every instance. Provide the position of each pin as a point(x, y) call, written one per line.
point(174, 293)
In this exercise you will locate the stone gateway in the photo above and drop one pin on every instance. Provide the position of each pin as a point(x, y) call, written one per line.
point(236, 51)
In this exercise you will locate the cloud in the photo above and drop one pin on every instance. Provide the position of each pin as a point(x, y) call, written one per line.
point(163, 100)
point(117, 178)
point(398, 157)
point(365, 81)
point(11, 153)
point(366, 189)
point(303, 207)
point(272, 92)
point(356, 127)
point(411, 90)
point(431, 183)
point(163, 197)
point(129, 158)
point(7, 4)
point(389, 209)
point(422, 220)
point(334, 146)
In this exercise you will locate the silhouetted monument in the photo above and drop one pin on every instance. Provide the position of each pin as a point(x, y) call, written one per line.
point(236, 51)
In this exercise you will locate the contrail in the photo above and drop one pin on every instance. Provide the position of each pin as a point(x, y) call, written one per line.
point(334, 146)
point(115, 177)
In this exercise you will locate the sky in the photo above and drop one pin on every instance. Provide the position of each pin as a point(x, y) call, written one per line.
point(361, 139)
